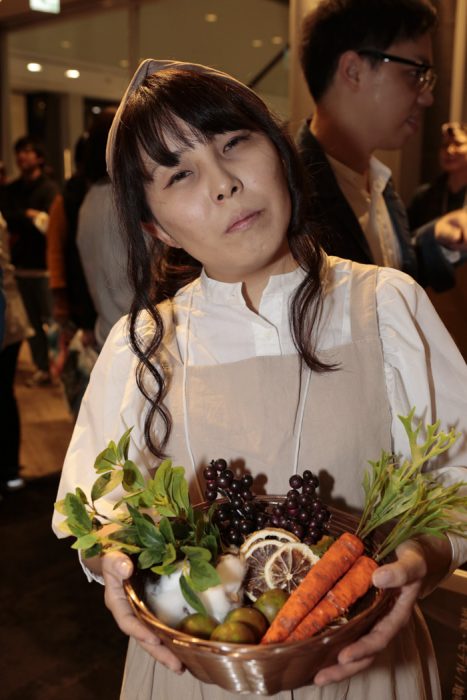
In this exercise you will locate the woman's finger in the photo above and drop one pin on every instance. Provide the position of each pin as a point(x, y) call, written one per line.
point(116, 567)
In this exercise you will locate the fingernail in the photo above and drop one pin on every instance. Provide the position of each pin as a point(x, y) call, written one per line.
point(125, 569)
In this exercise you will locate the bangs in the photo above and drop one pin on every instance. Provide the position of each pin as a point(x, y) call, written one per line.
point(187, 108)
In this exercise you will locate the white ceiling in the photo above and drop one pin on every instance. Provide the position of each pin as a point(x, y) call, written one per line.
point(245, 37)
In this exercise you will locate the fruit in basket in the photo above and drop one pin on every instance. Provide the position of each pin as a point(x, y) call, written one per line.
point(199, 625)
point(302, 513)
point(235, 633)
point(268, 533)
point(288, 565)
point(249, 616)
point(255, 561)
point(270, 602)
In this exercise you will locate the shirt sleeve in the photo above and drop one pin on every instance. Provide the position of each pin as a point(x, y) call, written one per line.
point(423, 368)
point(112, 404)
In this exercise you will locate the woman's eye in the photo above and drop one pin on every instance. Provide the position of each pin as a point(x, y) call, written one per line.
point(177, 177)
point(231, 143)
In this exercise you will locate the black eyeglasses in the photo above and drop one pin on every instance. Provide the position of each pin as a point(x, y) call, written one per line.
point(424, 74)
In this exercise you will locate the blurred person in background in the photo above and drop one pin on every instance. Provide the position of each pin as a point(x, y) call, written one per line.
point(72, 305)
point(449, 190)
point(25, 204)
point(100, 243)
point(368, 66)
point(16, 329)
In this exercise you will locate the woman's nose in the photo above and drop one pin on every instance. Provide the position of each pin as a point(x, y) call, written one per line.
point(222, 195)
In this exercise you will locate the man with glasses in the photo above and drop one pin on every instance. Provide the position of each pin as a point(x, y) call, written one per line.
point(368, 65)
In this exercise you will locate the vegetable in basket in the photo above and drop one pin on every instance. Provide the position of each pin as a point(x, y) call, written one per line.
point(421, 505)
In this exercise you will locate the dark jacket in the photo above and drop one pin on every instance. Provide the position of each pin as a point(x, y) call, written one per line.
point(433, 200)
point(27, 243)
point(342, 235)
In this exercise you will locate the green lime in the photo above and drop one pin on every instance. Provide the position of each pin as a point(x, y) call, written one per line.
point(270, 602)
point(198, 625)
point(235, 633)
point(249, 616)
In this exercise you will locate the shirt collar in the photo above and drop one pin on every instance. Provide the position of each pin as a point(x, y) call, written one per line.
point(231, 292)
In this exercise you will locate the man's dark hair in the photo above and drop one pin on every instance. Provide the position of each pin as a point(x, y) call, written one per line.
point(30, 142)
point(336, 26)
point(95, 167)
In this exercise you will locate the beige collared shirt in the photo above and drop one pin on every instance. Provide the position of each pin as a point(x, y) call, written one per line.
point(364, 194)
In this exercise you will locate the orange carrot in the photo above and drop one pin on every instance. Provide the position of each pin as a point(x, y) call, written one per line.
point(322, 576)
point(355, 583)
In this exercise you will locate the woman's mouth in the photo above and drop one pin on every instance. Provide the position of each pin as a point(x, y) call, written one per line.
point(243, 221)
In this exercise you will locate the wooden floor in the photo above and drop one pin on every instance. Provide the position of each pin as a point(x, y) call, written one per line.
point(46, 423)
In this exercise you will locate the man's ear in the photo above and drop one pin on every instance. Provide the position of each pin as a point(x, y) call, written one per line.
point(155, 231)
point(349, 69)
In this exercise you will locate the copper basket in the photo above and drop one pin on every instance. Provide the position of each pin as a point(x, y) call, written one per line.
point(267, 669)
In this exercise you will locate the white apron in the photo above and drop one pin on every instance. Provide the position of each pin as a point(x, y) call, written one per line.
point(248, 412)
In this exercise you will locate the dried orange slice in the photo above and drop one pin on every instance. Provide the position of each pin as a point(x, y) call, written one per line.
point(267, 533)
point(288, 566)
point(255, 560)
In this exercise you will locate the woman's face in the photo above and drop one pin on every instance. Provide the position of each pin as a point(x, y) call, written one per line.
point(453, 152)
point(226, 203)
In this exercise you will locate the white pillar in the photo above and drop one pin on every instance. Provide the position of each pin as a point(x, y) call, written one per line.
point(301, 103)
point(459, 60)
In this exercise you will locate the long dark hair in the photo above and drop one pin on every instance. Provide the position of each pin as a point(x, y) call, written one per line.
point(209, 105)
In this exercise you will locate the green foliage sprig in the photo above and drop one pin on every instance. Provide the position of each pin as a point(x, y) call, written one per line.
point(416, 501)
point(155, 521)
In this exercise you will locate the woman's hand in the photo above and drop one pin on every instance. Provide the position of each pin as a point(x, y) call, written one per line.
point(413, 569)
point(116, 567)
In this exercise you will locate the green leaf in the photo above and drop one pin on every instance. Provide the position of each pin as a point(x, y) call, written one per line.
point(165, 569)
point(60, 507)
point(85, 542)
point(81, 495)
point(148, 534)
point(78, 519)
point(105, 484)
point(107, 459)
point(202, 575)
point(93, 551)
point(123, 446)
point(196, 553)
point(166, 530)
point(132, 477)
point(149, 557)
point(190, 596)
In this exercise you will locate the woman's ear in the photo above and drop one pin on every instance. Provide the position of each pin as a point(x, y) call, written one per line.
point(156, 231)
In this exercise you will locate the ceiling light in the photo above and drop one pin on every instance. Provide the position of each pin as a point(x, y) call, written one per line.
point(72, 73)
point(34, 67)
point(257, 43)
point(210, 17)
point(65, 44)
point(277, 40)
point(96, 109)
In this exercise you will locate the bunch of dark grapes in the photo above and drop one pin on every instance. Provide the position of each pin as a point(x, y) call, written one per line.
point(301, 513)
point(240, 514)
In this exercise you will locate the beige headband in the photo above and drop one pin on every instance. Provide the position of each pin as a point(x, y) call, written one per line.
point(148, 67)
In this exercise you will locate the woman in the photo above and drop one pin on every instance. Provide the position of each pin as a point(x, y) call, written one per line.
point(246, 342)
point(449, 191)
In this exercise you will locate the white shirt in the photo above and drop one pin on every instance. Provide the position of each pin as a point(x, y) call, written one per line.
point(422, 365)
point(104, 258)
point(364, 194)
